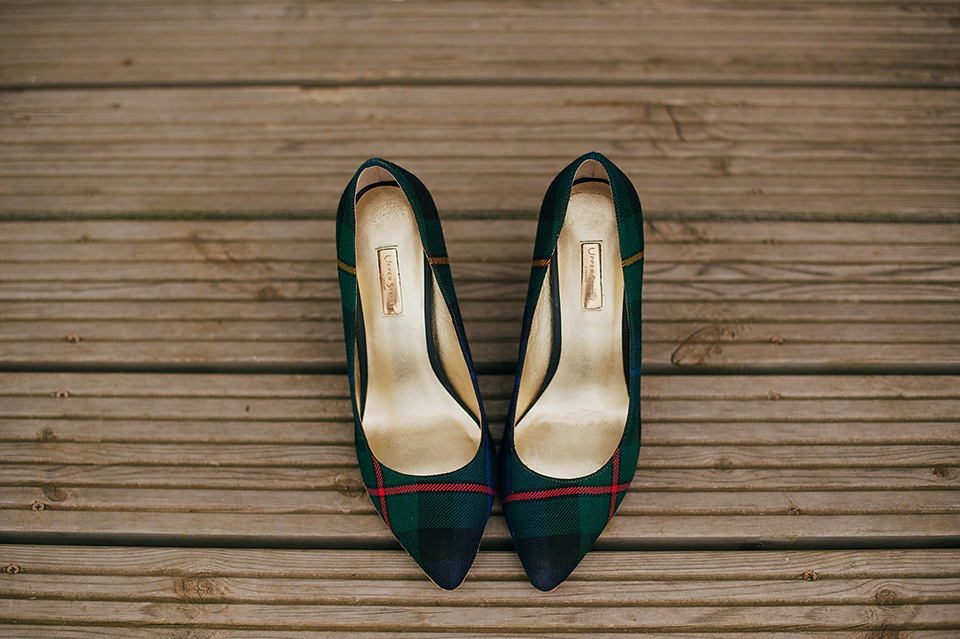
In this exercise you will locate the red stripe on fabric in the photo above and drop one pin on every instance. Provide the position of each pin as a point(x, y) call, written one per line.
point(380, 492)
point(567, 491)
point(432, 488)
point(613, 484)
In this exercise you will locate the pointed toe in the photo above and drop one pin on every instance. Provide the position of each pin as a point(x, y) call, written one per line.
point(549, 560)
point(446, 554)
point(548, 579)
point(447, 575)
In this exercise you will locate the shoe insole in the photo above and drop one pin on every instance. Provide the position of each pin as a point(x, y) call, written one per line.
point(411, 421)
point(575, 425)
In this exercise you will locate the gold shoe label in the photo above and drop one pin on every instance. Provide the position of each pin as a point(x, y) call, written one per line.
point(390, 298)
point(591, 279)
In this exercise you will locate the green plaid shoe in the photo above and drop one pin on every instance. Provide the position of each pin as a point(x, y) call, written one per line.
point(422, 441)
point(572, 438)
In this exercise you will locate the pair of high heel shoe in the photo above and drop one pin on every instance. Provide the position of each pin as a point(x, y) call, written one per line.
point(572, 436)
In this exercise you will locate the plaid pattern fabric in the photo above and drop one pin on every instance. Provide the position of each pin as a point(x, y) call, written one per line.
point(554, 522)
point(438, 519)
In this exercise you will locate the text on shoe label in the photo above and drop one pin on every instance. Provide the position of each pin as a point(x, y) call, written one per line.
point(390, 298)
point(591, 277)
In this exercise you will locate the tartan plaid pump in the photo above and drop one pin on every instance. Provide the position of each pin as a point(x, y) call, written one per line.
point(572, 436)
point(422, 441)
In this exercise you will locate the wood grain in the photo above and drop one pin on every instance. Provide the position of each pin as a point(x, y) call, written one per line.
point(659, 41)
point(719, 151)
point(345, 591)
point(245, 590)
point(503, 566)
point(718, 479)
point(641, 503)
point(459, 230)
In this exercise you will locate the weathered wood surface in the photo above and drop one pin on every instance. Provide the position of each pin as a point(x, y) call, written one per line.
point(256, 294)
point(768, 460)
point(78, 591)
point(724, 151)
point(43, 43)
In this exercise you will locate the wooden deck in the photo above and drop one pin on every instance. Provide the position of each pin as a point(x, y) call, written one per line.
point(175, 428)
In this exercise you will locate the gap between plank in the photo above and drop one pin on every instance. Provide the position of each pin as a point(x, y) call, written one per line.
point(347, 543)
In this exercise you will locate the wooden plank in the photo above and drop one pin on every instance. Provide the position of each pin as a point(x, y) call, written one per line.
point(278, 332)
point(585, 593)
point(640, 503)
point(458, 230)
point(115, 385)
point(823, 152)
point(346, 530)
point(681, 456)
point(251, 397)
point(868, 354)
point(476, 291)
point(347, 479)
point(718, 295)
point(720, 433)
point(335, 591)
point(509, 311)
point(318, 254)
point(286, 271)
point(935, 563)
point(574, 618)
point(351, 591)
point(820, 592)
point(690, 41)
point(270, 458)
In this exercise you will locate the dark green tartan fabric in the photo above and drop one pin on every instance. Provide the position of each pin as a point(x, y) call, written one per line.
point(439, 519)
point(554, 522)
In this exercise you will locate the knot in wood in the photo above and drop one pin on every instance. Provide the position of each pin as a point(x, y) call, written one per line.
point(888, 597)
